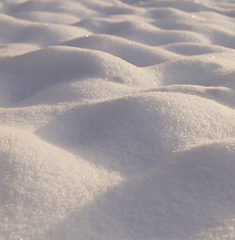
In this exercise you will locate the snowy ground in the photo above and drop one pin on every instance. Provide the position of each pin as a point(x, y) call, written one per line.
point(117, 119)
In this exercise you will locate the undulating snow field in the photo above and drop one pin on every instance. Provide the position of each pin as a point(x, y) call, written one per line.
point(117, 120)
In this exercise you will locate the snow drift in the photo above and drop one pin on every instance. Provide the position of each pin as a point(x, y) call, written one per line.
point(117, 119)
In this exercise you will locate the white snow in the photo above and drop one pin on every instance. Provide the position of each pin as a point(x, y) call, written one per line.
point(117, 120)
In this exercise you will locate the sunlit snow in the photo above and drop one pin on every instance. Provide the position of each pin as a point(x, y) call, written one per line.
point(117, 120)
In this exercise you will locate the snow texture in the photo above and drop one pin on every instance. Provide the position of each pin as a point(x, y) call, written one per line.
point(117, 119)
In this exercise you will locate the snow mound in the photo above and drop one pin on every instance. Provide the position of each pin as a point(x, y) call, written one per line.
point(42, 183)
point(117, 119)
point(191, 192)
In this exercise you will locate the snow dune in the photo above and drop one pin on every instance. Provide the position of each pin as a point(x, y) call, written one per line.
point(117, 119)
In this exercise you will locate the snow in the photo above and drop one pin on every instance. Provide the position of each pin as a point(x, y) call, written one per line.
point(117, 119)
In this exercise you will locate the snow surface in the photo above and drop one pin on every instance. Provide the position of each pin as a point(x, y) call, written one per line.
point(117, 119)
